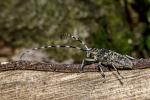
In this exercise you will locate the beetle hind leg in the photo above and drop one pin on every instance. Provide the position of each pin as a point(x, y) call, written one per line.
point(119, 75)
point(101, 70)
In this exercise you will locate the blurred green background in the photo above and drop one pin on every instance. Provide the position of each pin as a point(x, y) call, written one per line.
point(119, 25)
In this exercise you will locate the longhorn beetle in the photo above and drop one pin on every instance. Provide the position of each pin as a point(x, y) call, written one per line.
point(103, 56)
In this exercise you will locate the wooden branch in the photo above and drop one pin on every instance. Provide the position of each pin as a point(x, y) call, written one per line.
point(75, 68)
point(29, 65)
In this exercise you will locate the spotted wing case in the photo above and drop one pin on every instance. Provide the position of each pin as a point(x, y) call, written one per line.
point(108, 57)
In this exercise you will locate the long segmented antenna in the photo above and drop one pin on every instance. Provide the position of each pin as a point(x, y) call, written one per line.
point(55, 46)
point(59, 46)
point(78, 39)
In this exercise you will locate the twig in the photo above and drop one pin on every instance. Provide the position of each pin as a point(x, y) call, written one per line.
point(141, 63)
point(71, 68)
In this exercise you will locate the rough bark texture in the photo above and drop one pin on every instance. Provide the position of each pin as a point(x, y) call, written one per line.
point(44, 85)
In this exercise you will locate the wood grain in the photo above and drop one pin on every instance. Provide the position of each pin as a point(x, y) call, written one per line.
point(40, 85)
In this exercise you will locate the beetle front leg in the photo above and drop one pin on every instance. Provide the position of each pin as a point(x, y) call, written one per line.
point(84, 61)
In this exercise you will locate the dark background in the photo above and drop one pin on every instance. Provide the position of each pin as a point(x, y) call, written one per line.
point(119, 25)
